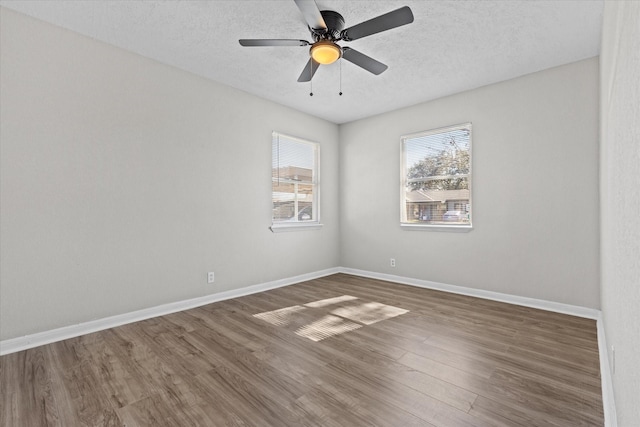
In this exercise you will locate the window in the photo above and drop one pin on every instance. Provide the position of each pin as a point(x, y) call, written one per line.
point(295, 183)
point(436, 179)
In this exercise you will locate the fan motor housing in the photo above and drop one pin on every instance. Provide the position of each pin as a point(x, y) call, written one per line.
point(335, 24)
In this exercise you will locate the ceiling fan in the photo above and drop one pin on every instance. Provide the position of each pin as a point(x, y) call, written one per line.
point(327, 28)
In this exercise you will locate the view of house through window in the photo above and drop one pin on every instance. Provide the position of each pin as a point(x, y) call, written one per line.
point(436, 177)
point(294, 178)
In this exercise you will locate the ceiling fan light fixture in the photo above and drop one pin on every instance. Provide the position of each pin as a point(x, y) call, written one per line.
point(325, 52)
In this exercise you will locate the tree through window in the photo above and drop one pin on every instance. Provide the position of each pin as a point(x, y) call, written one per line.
point(436, 178)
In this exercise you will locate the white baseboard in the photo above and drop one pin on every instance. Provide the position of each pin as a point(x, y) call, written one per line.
point(41, 338)
point(574, 310)
point(606, 381)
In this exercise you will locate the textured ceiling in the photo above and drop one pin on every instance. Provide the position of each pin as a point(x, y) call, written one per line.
point(451, 46)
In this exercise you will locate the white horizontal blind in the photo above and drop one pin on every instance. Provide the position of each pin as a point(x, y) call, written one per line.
point(436, 177)
point(294, 179)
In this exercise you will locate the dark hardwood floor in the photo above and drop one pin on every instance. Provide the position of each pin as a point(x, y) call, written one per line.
point(382, 354)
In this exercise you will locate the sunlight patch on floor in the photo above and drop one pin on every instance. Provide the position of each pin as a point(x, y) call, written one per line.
point(352, 314)
point(280, 317)
point(369, 312)
point(329, 301)
point(326, 327)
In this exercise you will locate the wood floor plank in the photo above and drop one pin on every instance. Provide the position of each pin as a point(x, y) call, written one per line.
point(82, 400)
point(345, 397)
point(223, 404)
point(459, 376)
point(387, 370)
point(159, 367)
point(510, 415)
point(472, 363)
point(149, 411)
point(33, 405)
point(559, 394)
point(118, 373)
point(385, 355)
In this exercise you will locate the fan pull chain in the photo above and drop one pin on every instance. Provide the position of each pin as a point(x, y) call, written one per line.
point(340, 93)
point(311, 79)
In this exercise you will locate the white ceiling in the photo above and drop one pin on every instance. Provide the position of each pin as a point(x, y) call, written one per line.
point(451, 46)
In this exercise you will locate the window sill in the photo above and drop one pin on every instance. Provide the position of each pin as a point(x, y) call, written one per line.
point(448, 228)
point(279, 228)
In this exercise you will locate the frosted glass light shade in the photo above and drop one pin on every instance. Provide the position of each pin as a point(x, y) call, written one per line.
point(325, 52)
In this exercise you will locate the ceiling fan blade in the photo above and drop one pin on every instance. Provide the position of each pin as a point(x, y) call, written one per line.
point(273, 42)
point(309, 70)
point(384, 22)
point(311, 14)
point(362, 60)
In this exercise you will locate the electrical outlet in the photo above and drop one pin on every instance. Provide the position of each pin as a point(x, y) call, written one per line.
point(392, 261)
point(210, 277)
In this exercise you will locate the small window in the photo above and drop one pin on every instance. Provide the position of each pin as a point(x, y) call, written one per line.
point(436, 179)
point(295, 183)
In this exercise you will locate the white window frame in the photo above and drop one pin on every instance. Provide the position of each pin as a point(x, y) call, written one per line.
point(404, 223)
point(294, 224)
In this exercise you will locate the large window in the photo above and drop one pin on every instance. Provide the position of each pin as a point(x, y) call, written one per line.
point(436, 178)
point(295, 182)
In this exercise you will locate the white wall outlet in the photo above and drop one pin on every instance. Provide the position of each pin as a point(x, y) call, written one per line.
point(392, 261)
point(210, 277)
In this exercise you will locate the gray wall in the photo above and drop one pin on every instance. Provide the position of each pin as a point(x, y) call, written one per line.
point(535, 190)
point(620, 201)
point(123, 181)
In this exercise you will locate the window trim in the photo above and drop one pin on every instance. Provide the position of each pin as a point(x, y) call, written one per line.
point(403, 181)
point(277, 227)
